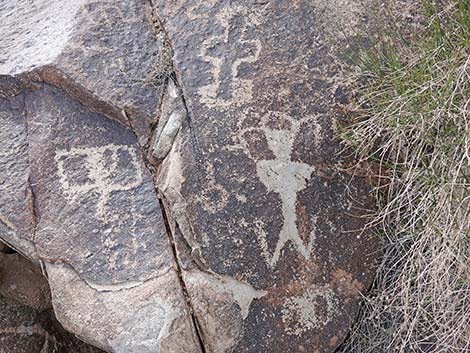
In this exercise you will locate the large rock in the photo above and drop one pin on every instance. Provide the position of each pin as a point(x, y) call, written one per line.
point(100, 53)
point(17, 220)
point(266, 229)
point(257, 246)
point(98, 228)
point(76, 195)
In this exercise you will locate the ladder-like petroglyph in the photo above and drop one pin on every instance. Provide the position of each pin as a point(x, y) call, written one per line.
point(103, 170)
point(312, 310)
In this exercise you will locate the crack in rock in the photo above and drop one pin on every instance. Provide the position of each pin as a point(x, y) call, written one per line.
point(171, 173)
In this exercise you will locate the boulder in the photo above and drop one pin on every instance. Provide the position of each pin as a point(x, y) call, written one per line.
point(174, 170)
point(76, 196)
point(27, 321)
point(17, 220)
point(104, 55)
point(259, 196)
point(97, 227)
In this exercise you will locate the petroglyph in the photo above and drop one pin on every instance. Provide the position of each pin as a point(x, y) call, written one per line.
point(286, 178)
point(216, 50)
point(312, 310)
point(212, 188)
point(254, 177)
point(197, 12)
point(239, 292)
point(103, 170)
point(283, 176)
point(4, 220)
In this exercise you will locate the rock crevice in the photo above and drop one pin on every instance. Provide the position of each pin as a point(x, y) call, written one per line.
point(179, 270)
point(163, 143)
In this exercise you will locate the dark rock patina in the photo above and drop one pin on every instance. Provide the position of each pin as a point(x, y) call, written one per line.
point(101, 54)
point(263, 251)
point(91, 184)
point(76, 195)
point(262, 212)
point(17, 219)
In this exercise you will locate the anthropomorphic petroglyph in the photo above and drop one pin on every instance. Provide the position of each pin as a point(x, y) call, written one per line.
point(103, 170)
point(285, 177)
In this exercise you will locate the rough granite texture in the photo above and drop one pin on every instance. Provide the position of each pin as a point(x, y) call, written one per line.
point(173, 169)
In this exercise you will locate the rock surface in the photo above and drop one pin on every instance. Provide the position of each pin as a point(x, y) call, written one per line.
point(256, 247)
point(76, 195)
point(99, 52)
point(265, 225)
point(27, 322)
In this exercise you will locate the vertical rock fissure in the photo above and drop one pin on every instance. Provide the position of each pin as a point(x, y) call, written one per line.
point(154, 172)
point(176, 79)
point(30, 186)
point(33, 202)
point(195, 321)
point(33, 208)
point(171, 240)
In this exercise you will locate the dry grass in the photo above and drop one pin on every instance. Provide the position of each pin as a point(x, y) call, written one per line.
point(413, 120)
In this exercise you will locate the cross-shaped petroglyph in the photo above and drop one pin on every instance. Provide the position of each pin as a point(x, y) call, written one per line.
point(227, 52)
point(102, 170)
point(285, 177)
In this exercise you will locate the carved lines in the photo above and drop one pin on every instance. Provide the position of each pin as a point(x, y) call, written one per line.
point(312, 310)
point(240, 89)
point(103, 170)
point(285, 177)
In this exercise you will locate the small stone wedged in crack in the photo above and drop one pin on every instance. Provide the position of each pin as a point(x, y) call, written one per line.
point(173, 113)
point(172, 116)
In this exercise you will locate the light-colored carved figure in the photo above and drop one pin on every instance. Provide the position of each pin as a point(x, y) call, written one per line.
point(285, 177)
point(103, 170)
point(312, 310)
point(240, 90)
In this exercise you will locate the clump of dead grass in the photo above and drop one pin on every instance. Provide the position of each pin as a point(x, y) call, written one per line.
point(413, 121)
